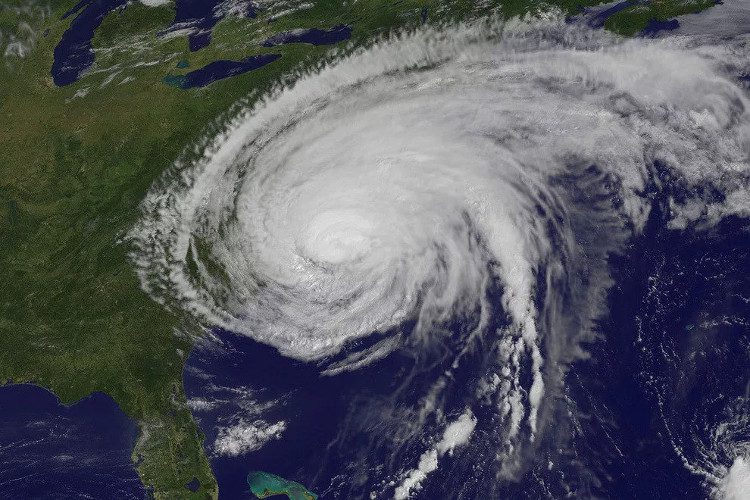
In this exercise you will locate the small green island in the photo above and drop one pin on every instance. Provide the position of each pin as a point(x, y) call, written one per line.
point(265, 484)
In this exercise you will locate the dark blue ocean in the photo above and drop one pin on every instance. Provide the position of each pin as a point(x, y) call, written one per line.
point(682, 292)
point(53, 451)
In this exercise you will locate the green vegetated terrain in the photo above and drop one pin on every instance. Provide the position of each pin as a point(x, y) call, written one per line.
point(633, 19)
point(76, 161)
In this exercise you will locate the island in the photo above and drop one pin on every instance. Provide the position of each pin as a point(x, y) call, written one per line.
point(265, 484)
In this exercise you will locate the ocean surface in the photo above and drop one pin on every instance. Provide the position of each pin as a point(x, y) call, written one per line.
point(672, 356)
point(53, 451)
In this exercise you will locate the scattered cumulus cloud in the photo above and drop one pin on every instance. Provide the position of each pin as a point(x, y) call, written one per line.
point(244, 437)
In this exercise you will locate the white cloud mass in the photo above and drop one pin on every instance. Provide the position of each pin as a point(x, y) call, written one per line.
point(244, 437)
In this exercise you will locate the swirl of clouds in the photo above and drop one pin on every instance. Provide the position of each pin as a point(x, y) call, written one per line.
point(404, 183)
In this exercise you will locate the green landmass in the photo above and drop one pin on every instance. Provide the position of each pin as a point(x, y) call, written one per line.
point(76, 161)
point(265, 484)
point(634, 19)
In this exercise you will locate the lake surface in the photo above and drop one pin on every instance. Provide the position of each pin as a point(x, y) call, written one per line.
point(200, 18)
point(311, 36)
point(74, 53)
point(218, 70)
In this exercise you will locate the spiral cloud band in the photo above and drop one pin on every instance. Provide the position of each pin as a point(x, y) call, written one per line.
point(405, 183)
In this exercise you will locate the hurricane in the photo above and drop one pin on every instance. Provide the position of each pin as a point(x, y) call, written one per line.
point(451, 197)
